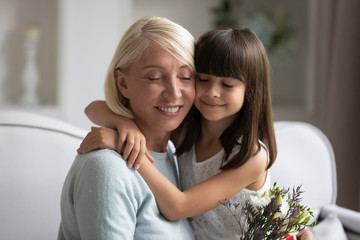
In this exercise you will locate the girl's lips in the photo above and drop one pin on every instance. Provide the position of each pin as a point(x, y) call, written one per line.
point(212, 105)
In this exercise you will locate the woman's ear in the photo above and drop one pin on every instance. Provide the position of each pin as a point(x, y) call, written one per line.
point(121, 82)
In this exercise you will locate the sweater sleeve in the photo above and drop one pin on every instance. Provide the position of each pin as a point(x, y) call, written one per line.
point(103, 194)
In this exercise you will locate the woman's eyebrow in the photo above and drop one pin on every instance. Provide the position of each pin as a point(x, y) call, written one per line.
point(185, 66)
point(161, 67)
point(153, 66)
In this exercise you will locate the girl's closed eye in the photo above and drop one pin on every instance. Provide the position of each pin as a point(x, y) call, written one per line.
point(227, 85)
point(202, 79)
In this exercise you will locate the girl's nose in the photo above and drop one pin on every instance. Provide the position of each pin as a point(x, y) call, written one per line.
point(213, 90)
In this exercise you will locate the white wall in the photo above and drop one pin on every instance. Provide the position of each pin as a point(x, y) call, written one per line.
point(194, 15)
point(89, 33)
point(89, 36)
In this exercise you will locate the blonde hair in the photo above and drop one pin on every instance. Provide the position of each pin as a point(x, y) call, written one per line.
point(166, 34)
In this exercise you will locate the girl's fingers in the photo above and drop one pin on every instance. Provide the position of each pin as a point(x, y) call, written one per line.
point(90, 145)
point(143, 157)
point(134, 154)
point(143, 154)
point(91, 134)
point(121, 144)
point(128, 147)
point(85, 142)
point(152, 160)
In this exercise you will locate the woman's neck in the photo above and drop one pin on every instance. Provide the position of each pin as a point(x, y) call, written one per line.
point(156, 141)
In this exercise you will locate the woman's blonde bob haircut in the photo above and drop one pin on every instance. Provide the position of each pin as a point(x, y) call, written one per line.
point(148, 30)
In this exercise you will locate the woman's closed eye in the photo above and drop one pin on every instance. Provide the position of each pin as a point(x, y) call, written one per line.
point(154, 79)
point(187, 78)
point(152, 75)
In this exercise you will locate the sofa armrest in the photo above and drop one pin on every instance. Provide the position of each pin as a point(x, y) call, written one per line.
point(352, 236)
point(350, 219)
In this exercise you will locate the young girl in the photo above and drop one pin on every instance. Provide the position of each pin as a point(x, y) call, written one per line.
point(226, 145)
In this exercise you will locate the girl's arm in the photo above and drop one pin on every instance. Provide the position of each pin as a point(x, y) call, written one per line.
point(129, 141)
point(99, 113)
point(206, 195)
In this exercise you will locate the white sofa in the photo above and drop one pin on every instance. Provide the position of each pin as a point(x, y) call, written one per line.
point(37, 152)
point(306, 157)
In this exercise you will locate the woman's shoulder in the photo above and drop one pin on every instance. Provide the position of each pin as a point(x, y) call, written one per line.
point(100, 158)
point(105, 172)
point(104, 163)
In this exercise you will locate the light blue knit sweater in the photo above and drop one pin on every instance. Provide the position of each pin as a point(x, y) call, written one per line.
point(103, 199)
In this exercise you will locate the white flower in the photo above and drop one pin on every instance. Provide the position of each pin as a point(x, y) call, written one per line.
point(259, 200)
point(284, 207)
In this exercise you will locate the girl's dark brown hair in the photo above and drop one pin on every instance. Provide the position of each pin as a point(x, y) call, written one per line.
point(237, 53)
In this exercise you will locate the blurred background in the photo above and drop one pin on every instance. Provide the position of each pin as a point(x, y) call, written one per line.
point(54, 56)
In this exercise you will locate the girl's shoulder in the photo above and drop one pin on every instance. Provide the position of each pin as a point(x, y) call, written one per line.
point(256, 167)
point(265, 150)
point(257, 164)
point(260, 151)
point(260, 157)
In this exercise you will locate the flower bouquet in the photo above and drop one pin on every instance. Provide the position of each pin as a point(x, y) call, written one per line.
point(275, 214)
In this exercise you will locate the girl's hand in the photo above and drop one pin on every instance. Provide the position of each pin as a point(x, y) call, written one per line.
point(305, 234)
point(126, 142)
point(132, 145)
point(99, 138)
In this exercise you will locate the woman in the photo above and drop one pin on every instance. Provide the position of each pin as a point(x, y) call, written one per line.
point(101, 197)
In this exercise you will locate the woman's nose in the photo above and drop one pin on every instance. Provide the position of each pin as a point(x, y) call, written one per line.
point(172, 89)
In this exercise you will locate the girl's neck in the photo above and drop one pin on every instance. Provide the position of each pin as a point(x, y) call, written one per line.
point(209, 142)
point(213, 129)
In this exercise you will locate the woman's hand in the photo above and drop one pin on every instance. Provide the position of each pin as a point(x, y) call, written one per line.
point(99, 138)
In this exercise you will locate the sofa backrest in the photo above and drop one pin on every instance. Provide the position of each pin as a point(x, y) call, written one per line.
point(305, 157)
point(36, 153)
